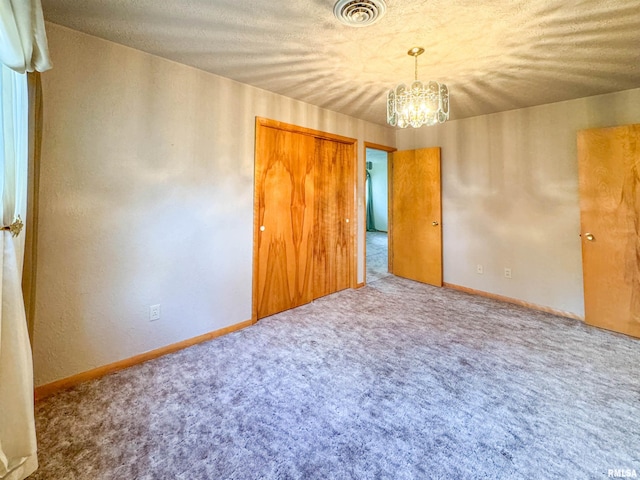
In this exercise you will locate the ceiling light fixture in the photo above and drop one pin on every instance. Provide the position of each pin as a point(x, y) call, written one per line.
point(359, 13)
point(420, 104)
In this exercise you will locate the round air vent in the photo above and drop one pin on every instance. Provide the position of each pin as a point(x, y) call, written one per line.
point(359, 13)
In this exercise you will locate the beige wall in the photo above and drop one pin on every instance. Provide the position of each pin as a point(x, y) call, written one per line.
point(146, 197)
point(510, 196)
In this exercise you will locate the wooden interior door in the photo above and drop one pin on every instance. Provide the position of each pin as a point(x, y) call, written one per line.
point(333, 208)
point(284, 189)
point(609, 173)
point(416, 215)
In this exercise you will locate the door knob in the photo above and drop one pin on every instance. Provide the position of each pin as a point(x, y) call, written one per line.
point(435, 224)
point(262, 229)
point(589, 236)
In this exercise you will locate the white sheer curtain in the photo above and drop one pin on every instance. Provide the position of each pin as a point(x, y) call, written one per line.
point(17, 429)
point(23, 48)
point(23, 42)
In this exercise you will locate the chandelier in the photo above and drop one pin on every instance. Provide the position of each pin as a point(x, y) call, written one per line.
point(420, 104)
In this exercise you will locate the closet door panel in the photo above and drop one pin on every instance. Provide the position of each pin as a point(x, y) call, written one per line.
point(333, 207)
point(284, 179)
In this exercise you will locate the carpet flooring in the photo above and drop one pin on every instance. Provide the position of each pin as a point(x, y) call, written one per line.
point(396, 380)
point(377, 256)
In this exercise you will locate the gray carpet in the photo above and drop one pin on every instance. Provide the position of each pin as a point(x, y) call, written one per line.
point(377, 256)
point(397, 380)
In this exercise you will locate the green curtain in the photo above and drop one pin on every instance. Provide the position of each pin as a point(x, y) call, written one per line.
point(371, 224)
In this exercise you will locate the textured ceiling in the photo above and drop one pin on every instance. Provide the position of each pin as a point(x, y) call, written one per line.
point(494, 55)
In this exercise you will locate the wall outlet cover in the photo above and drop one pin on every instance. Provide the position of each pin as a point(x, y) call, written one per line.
point(154, 312)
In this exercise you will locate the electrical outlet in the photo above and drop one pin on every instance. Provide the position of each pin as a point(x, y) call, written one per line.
point(154, 312)
point(507, 272)
point(479, 269)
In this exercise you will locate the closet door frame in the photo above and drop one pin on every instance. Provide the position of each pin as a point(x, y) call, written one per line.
point(353, 219)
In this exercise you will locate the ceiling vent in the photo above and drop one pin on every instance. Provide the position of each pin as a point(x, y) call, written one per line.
point(359, 13)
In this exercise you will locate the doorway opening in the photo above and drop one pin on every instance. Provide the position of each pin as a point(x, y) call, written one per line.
point(377, 214)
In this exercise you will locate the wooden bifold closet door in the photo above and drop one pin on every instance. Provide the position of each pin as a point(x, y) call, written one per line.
point(304, 189)
point(284, 194)
point(332, 235)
